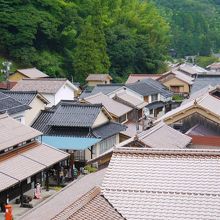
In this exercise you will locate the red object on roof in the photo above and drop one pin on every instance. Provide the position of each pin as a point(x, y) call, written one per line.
point(7, 85)
point(205, 140)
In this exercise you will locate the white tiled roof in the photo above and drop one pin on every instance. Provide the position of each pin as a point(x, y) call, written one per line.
point(132, 100)
point(169, 184)
point(13, 132)
point(114, 107)
point(163, 136)
point(6, 181)
point(32, 73)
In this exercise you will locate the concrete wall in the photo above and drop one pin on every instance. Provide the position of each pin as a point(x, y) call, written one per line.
point(36, 106)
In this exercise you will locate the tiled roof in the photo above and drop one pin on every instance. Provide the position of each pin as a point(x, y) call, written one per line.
point(164, 137)
point(23, 97)
point(6, 181)
point(105, 89)
point(182, 76)
point(131, 100)
point(32, 73)
point(171, 184)
point(92, 205)
point(203, 81)
point(34, 158)
point(192, 69)
point(149, 87)
point(202, 130)
point(72, 114)
point(13, 132)
point(138, 77)
point(7, 85)
point(10, 105)
point(64, 198)
point(98, 77)
point(205, 101)
point(215, 65)
point(43, 85)
point(115, 108)
point(108, 130)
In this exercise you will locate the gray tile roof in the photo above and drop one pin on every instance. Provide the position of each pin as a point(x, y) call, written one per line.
point(205, 80)
point(164, 184)
point(105, 89)
point(104, 131)
point(148, 87)
point(11, 105)
point(72, 114)
point(108, 130)
point(24, 97)
point(64, 198)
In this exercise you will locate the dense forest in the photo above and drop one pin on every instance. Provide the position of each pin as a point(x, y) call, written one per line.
point(73, 38)
point(195, 25)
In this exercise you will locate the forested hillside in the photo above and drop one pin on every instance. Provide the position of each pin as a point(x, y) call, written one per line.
point(195, 25)
point(76, 37)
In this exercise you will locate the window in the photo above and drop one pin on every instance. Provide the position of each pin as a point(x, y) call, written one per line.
point(123, 118)
point(107, 144)
point(154, 98)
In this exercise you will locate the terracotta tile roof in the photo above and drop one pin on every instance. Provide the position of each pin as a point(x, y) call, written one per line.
point(64, 198)
point(98, 77)
point(7, 85)
point(91, 205)
point(32, 73)
point(132, 78)
point(13, 132)
point(169, 184)
point(115, 108)
point(42, 85)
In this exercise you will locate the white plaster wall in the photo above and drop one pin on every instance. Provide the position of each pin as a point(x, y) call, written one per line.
point(64, 93)
point(50, 98)
point(36, 106)
point(101, 119)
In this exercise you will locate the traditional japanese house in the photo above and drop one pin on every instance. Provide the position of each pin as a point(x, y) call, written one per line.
point(33, 99)
point(24, 161)
point(84, 130)
point(13, 107)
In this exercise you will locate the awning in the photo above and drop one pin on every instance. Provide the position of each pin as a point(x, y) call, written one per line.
point(155, 105)
point(27, 161)
point(70, 143)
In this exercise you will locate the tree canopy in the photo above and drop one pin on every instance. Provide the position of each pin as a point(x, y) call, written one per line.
point(74, 38)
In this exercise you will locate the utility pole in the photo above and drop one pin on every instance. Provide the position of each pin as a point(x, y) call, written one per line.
point(6, 71)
